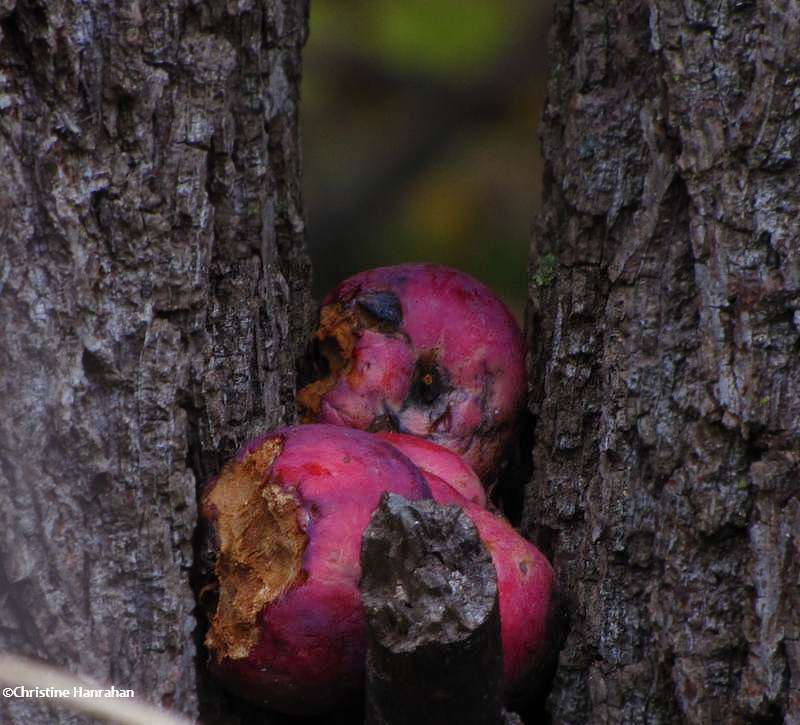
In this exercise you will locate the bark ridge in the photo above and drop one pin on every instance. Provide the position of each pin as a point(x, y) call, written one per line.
point(152, 300)
point(665, 371)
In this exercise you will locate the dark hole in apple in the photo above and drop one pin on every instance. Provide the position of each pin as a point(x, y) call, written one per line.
point(428, 382)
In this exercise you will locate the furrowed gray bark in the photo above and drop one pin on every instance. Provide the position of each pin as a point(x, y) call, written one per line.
point(152, 301)
point(665, 330)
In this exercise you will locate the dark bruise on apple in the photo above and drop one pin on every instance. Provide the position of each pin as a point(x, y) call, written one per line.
point(420, 349)
point(283, 523)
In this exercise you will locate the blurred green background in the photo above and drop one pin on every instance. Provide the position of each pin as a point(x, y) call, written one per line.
point(420, 134)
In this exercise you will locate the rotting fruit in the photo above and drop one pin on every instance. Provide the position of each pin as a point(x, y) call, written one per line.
point(420, 349)
point(282, 526)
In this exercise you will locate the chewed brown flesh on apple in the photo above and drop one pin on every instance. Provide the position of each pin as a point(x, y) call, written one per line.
point(420, 349)
point(441, 462)
point(285, 520)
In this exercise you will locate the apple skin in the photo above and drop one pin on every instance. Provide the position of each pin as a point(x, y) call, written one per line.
point(303, 651)
point(420, 349)
point(526, 586)
point(442, 463)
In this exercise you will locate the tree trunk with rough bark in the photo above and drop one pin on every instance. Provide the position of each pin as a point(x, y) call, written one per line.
point(153, 298)
point(664, 323)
